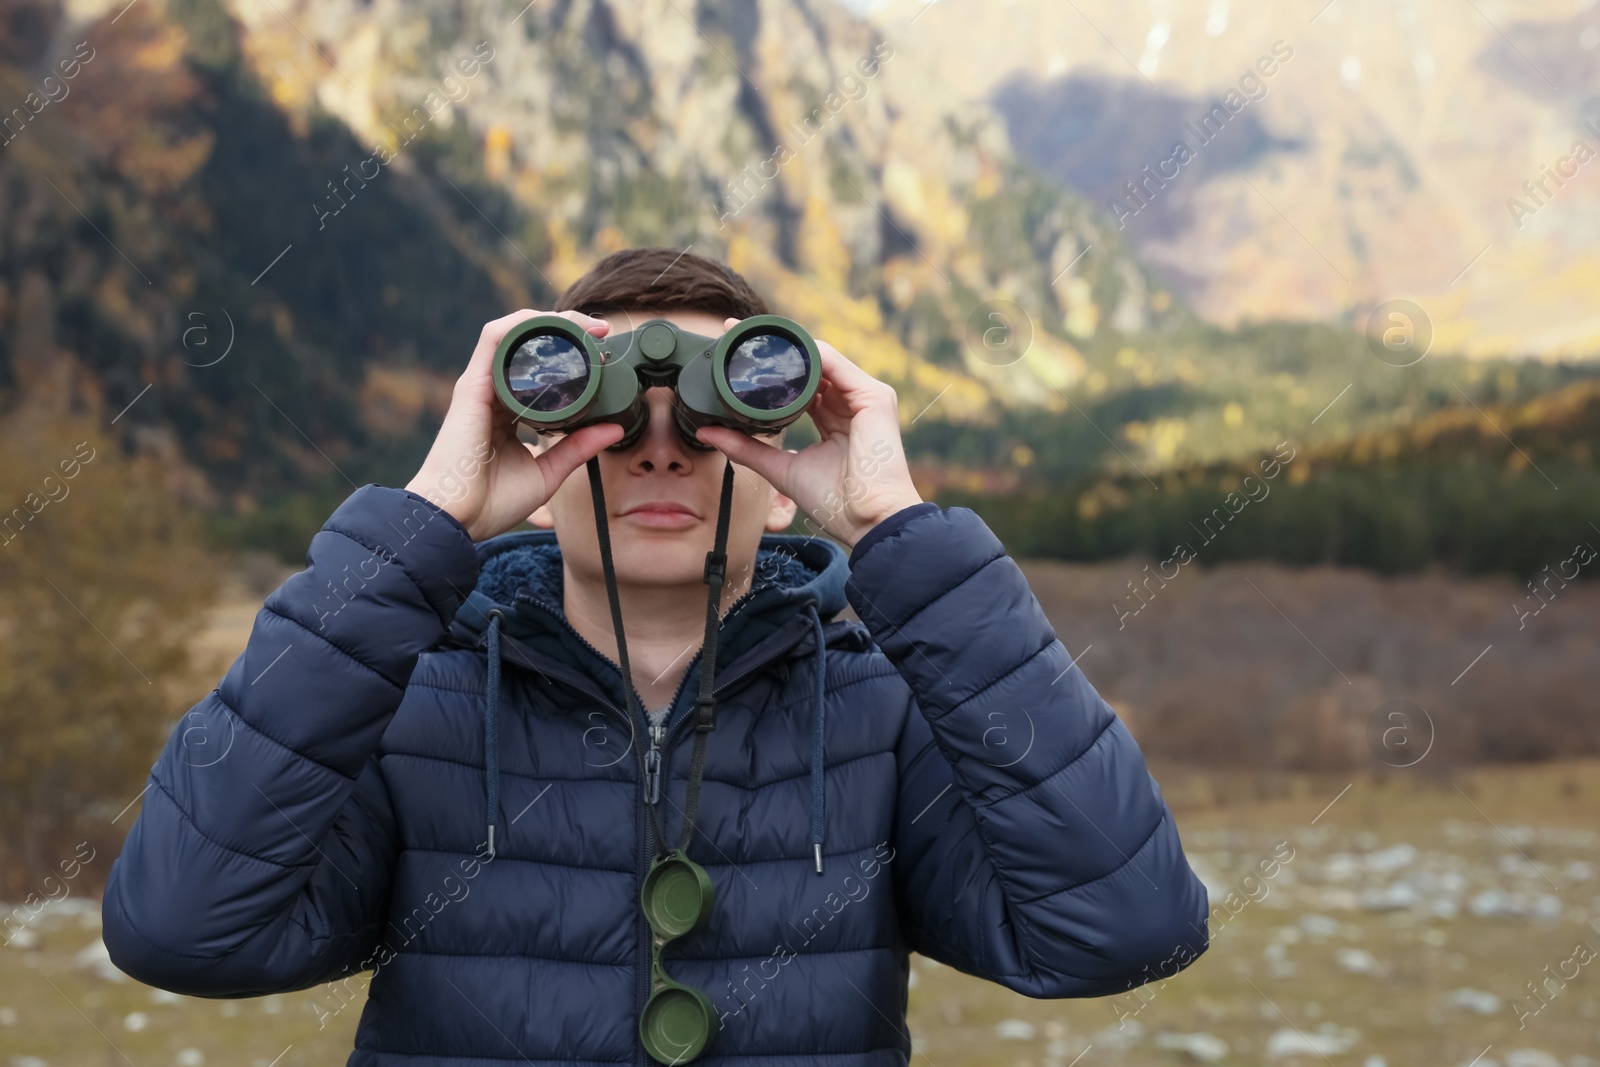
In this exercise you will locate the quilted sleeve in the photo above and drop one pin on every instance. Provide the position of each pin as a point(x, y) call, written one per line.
point(260, 861)
point(1033, 847)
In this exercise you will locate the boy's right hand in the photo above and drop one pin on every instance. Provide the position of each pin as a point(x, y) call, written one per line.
point(478, 471)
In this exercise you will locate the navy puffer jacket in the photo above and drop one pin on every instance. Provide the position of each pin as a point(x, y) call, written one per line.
point(325, 811)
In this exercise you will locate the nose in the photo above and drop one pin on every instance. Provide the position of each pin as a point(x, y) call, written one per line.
point(659, 447)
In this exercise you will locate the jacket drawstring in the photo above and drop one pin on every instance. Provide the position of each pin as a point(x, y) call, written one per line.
point(818, 792)
point(491, 716)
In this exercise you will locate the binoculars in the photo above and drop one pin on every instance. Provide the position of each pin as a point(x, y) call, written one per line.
point(557, 377)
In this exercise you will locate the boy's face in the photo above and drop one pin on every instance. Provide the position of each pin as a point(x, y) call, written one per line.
point(653, 548)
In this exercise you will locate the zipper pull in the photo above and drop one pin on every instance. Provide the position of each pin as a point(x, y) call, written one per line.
point(652, 765)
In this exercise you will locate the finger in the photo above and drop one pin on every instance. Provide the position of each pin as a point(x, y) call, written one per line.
point(830, 410)
point(502, 424)
point(495, 331)
point(593, 324)
point(574, 450)
point(769, 461)
point(855, 385)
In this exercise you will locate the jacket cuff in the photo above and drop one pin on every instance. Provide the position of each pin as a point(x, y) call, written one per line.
point(933, 552)
point(889, 526)
point(429, 545)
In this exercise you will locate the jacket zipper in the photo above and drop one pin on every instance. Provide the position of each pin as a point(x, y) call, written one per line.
point(670, 733)
point(652, 764)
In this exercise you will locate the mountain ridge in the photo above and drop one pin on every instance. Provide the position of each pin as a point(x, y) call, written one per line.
point(327, 184)
point(1379, 162)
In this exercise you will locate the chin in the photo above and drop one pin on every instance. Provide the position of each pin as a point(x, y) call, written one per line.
point(666, 557)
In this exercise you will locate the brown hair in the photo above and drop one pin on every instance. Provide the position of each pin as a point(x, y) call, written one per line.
point(662, 279)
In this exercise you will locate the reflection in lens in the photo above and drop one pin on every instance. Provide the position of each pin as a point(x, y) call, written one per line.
point(768, 371)
point(547, 373)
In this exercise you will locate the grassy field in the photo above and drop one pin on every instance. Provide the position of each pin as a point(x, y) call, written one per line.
point(1403, 927)
point(1398, 898)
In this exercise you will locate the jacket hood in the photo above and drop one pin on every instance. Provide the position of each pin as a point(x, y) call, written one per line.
point(521, 574)
point(515, 610)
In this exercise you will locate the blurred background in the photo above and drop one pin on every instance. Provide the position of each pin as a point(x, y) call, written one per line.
point(1264, 334)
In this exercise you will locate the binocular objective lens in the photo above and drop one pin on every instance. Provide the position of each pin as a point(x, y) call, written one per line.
point(768, 371)
point(547, 373)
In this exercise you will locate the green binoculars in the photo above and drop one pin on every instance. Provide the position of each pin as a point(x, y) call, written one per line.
point(557, 377)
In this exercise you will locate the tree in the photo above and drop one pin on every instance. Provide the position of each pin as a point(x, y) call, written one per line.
point(103, 581)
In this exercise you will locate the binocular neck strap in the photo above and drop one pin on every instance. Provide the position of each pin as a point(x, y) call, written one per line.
point(715, 576)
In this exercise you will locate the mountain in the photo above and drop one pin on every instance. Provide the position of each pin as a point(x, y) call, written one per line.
point(1337, 155)
point(259, 241)
point(262, 239)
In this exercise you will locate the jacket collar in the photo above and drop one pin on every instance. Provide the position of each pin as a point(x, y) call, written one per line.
point(521, 574)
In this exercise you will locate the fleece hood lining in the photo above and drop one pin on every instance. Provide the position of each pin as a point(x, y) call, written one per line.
point(535, 566)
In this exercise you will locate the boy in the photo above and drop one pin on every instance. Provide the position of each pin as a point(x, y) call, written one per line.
point(422, 764)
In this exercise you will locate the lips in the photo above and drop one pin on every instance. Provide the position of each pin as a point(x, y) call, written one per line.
point(660, 507)
point(662, 515)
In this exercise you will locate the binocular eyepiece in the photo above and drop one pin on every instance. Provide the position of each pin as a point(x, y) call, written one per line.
point(557, 377)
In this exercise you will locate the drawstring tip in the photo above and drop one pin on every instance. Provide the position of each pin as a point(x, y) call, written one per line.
point(491, 840)
point(817, 849)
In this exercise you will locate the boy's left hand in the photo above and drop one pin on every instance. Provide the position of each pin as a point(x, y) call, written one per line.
point(856, 475)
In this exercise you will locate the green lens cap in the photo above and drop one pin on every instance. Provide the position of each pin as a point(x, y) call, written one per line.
point(678, 1020)
point(677, 895)
point(676, 1024)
